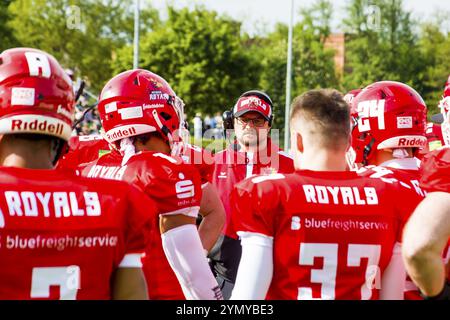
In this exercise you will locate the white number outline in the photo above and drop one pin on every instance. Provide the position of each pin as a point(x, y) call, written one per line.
point(370, 109)
point(327, 276)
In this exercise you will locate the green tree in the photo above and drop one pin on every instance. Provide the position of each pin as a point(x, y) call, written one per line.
point(312, 64)
point(201, 55)
point(381, 45)
point(435, 47)
point(7, 39)
point(81, 34)
point(271, 51)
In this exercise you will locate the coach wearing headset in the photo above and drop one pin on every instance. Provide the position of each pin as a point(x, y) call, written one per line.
point(251, 152)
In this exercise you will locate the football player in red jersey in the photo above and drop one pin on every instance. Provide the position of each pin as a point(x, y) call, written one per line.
point(61, 236)
point(428, 231)
point(389, 126)
point(85, 149)
point(389, 123)
point(253, 152)
point(322, 232)
point(139, 114)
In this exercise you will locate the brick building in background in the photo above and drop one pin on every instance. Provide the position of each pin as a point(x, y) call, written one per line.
point(336, 41)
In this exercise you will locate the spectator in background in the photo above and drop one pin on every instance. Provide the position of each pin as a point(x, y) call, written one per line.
point(85, 128)
point(253, 152)
point(219, 126)
point(213, 123)
point(198, 129)
point(207, 123)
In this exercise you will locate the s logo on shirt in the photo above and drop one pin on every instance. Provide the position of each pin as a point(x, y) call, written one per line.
point(296, 223)
point(185, 188)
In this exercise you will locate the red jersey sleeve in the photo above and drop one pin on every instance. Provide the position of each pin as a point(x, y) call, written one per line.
point(174, 185)
point(254, 204)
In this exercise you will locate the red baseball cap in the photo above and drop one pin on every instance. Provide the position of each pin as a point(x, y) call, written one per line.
point(252, 103)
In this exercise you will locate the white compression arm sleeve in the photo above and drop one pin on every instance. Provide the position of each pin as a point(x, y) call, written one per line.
point(255, 268)
point(394, 277)
point(185, 254)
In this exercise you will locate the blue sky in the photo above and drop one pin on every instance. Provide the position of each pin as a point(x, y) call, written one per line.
point(262, 15)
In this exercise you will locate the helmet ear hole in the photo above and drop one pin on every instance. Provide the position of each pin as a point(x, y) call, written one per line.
point(165, 116)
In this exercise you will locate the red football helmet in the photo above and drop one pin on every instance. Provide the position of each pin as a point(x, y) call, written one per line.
point(444, 106)
point(387, 115)
point(36, 94)
point(138, 101)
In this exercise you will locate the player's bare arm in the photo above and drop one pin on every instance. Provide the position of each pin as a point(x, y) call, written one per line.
point(424, 239)
point(213, 213)
point(129, 284)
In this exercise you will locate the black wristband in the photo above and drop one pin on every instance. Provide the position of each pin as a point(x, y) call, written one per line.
point(444, 295)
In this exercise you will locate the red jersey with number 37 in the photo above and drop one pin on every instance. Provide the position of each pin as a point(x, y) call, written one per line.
point(64, 236)
point(331, 238)
point(176, 189)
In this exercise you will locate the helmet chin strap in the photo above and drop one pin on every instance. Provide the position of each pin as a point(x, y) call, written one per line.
point(366, 152)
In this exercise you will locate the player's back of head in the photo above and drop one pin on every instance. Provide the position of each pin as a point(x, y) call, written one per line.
point(323, 116)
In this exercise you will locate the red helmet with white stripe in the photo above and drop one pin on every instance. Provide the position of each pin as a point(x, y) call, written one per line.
point(387, 115)
point(444, 106)
point(136, 102)
point(36, 94)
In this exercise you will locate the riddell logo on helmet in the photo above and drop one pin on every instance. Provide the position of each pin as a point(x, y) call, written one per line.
point(121, 133)
point(36, 125)
point(404, 142)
